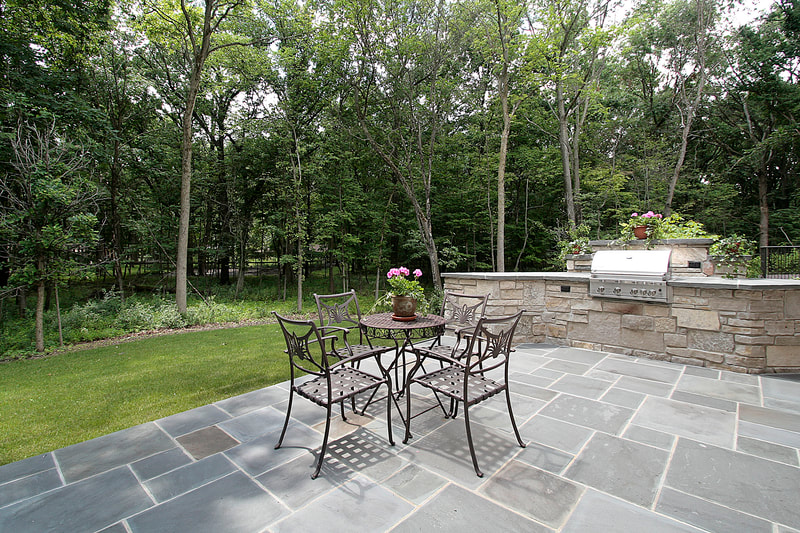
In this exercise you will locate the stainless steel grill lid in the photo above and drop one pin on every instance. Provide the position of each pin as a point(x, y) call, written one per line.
point(631, 275)
point(612, 263)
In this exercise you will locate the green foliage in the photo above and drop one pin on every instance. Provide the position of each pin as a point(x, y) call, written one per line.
point(577, 243)
point(735, 252)
point(676, 226)
point(733, 247)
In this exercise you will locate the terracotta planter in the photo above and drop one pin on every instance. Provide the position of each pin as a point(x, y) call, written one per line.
point(640, 232)
point(404, 308)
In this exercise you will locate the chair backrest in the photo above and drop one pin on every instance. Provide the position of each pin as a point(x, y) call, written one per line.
point(490, 345)
point(305, 346)
point(463, 310)
point(339, 310)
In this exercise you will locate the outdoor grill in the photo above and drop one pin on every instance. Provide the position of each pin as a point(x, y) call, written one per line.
point(631, 275)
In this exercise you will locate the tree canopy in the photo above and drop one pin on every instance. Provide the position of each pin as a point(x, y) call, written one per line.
point(365, 134)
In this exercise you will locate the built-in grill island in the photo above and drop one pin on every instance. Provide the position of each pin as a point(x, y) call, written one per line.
point(631, 275)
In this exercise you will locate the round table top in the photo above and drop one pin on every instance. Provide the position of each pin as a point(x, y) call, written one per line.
point(385, 321)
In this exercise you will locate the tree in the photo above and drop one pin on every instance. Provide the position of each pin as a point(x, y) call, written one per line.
point(408, 61)
point(199, 32)
point(685, 28)
point(504, 48)
point(49, 199)
point(755, 124)
point(570, 41)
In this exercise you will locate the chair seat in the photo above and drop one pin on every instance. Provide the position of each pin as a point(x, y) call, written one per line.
point(362, 350)
point(444, 350)
point(450, 381)
point(346, 381)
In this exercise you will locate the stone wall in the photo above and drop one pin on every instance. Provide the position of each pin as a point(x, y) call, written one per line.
point(748, 326)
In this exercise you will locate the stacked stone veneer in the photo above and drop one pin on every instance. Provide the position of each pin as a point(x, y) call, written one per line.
point(748, 326)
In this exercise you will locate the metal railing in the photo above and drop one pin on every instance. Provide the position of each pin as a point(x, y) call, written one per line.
point(780, 262)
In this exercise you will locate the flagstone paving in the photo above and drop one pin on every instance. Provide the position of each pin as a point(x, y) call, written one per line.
point(614, 444)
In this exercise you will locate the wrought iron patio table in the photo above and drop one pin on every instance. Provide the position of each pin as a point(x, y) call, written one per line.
point(403, 333)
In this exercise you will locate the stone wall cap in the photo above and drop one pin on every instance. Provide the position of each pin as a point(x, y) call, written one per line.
point(643, 242)
point(555, 276)
point(753, 284)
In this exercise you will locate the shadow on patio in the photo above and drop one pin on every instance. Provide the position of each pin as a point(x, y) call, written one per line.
point(614, 444)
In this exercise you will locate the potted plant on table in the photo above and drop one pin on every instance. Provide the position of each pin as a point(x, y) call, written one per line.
point(406, 294)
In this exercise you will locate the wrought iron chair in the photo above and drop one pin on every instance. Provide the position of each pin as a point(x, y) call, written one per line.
point(465, 376)
point(342, 310)
point(331, 382)
point(462, 312)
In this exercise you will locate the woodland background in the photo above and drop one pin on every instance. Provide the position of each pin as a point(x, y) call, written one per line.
point(222, 137)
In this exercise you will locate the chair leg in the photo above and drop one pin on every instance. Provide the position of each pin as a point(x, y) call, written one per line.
point(389, 410)
point(324, 442)
point(513, 421)
point(469, 440)
point(453, 408)
point(408, 412)
point(286, 422)
point(368, 402)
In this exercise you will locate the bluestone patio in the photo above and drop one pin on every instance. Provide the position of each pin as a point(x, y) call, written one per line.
point(614, 443)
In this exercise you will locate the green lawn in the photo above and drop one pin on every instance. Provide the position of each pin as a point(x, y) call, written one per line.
point(59, 400)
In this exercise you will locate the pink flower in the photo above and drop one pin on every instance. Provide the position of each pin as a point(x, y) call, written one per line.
point(417, 273)
point(404, 271)
point(393, 272)
point(634, 215)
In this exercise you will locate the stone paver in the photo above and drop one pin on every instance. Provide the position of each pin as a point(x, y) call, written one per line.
point(614, 444)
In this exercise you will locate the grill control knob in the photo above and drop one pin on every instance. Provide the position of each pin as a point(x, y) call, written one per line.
point(601, 289)
point(617, 290)
point(634, 292)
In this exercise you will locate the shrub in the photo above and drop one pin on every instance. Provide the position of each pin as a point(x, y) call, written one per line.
point(577, 243)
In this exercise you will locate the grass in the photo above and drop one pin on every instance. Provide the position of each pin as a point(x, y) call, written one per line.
point(56, 401)
point(91, 312)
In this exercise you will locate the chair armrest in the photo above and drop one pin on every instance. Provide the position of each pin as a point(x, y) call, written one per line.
point(352, 359)
point(324, 329)
point(330, 335)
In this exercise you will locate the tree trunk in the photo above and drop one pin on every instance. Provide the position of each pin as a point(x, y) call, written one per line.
point(22, 303)
point(116, 225)
point(39, 317)
point(673, 182)
point(689, 108)
point(423, 220)
point(185, 197)
point(243, 239)
point(763, 204)
point(563, 142)
point(200, 54)
point(501, 173)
